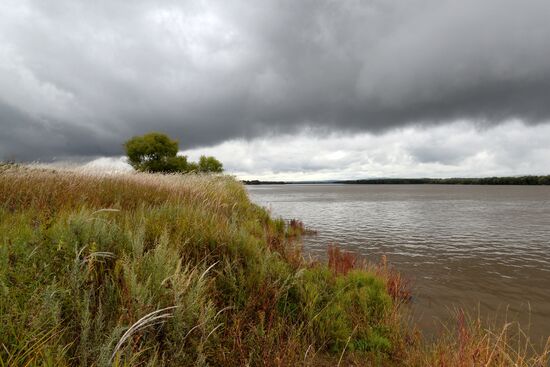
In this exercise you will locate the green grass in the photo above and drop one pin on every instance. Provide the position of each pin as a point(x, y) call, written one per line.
point(178, 270)
point(84, 257)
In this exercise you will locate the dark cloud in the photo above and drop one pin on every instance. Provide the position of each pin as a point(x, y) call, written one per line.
point(80, 77)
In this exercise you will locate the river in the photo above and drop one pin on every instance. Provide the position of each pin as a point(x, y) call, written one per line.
point(483, 248)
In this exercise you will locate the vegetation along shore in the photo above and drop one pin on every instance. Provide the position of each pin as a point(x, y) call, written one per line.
point(142, 269)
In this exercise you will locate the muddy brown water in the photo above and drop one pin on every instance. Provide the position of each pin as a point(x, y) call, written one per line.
point(483, 248)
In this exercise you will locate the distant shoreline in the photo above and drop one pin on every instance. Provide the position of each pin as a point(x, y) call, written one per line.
point(519, 180)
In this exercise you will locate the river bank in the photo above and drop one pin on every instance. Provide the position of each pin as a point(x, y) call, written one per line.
point(483, 248)
point(140, 269)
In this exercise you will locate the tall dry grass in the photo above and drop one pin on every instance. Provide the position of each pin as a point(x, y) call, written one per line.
point(472, 341)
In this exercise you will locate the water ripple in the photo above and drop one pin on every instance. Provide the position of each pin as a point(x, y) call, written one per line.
point(484, 244)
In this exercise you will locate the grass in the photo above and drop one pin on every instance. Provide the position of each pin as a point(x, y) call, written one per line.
point(476, 342)
point(152, 270)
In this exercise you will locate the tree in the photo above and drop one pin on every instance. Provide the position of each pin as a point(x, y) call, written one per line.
point(209, 164)
point(155, 152)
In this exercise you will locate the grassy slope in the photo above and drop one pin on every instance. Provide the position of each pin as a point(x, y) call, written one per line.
point(84, 257)
point(141, 269)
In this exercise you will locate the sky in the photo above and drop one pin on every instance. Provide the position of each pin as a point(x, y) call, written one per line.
point(314, 89)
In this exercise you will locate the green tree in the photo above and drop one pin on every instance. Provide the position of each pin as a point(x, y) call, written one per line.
point(155, 152)
point(209, 164)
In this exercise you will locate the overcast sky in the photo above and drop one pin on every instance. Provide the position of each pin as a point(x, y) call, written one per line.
point(283, 89)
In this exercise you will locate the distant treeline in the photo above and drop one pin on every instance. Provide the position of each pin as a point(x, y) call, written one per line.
point(521, 180)
point(258, 182)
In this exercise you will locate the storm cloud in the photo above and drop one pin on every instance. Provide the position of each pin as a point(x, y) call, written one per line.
point(458, 149)
point(77, 78)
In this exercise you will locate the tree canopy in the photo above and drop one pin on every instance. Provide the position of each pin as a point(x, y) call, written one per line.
point(157, 152)
point(209, 164)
